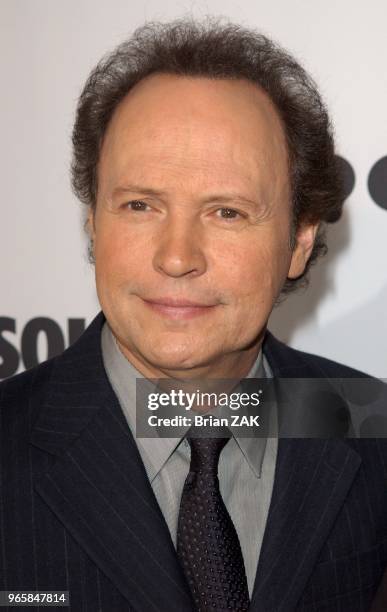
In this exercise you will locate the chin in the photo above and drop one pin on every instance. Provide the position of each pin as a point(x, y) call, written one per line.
point(174, 362)
point(175, 359)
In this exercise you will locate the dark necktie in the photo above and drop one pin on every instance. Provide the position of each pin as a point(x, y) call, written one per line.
point(207, 543)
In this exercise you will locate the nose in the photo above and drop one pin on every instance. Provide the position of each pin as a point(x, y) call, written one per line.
point(178, 250)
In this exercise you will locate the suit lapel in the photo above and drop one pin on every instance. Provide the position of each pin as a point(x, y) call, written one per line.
point(312, 480)
point(98, 486)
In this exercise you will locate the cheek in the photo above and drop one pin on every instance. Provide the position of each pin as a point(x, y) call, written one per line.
point(256, 270)
point(117, 254)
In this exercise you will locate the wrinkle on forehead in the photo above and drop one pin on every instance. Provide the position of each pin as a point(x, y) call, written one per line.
point(200, 130)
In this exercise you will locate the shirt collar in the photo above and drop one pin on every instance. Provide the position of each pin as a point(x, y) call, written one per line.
point(156, 451)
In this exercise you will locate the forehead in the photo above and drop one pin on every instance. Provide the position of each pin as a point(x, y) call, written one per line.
point(197, 124)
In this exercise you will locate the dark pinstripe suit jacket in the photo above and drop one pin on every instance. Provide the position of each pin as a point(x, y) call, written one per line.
point(77, 511)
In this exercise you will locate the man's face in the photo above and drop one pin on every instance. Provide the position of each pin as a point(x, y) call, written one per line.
point(193, 207)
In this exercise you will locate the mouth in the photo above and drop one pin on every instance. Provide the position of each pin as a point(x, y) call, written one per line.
point(178, 309)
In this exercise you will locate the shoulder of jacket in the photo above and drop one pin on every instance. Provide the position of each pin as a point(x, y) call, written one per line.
point(330, 367)
point(24, 390)
point(290, 358)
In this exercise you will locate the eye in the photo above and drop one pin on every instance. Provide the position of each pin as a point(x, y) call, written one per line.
point(228, 213)
point(136, 205)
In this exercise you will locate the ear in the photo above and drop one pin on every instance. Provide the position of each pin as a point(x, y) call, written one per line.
point(305, 238)
point(90, 224)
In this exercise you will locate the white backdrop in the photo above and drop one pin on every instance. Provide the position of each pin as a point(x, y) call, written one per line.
point(47, 49)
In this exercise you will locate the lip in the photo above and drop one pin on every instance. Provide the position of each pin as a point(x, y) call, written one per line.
point(178, 308)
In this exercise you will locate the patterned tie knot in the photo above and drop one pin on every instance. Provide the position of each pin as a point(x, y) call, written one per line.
point(205, 454)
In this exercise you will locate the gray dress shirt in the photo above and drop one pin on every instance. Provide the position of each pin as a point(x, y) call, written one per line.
point(246, 465)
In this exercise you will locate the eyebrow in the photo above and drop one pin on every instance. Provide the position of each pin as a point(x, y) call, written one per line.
point(137, 189)
point(149, 191)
